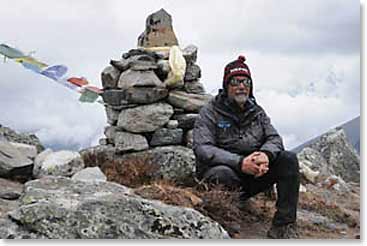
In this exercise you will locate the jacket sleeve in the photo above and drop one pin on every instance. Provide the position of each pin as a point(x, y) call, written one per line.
point(204, 143)
point(273, 142)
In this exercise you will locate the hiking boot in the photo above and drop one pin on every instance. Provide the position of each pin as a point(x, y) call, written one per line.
point(288, 231)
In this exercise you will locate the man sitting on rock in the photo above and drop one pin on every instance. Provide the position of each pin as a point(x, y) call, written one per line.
point(236, 145)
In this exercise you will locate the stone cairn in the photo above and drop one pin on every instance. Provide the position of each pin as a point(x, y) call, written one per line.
point(145, 107)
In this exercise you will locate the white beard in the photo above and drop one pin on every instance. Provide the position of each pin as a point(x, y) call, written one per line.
point(240, 99)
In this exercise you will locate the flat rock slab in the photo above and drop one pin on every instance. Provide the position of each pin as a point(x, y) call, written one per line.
point(165, 136)
point(62, 208)
point(131, 78)
point(146, 118)
point(125, 141)
point(194, 87)
point(26, 149)
point(145, 95)
point(12, 136)
point(188, 102)
point(113, 97)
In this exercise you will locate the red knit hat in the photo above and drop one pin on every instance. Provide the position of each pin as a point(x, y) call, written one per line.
point(236, 67)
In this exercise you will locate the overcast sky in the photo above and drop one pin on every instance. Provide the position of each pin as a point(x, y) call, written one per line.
point(304, 57)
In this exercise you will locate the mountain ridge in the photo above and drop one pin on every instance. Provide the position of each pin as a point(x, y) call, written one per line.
point(351, 128)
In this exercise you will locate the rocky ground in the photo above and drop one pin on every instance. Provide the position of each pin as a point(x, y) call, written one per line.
point(321, 215)
point(68, 194)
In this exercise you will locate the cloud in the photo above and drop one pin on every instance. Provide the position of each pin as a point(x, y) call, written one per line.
point(302, 117)
point(32, 103)
point(283, 27)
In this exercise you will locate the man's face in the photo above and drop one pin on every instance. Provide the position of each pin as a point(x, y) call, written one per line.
point(239, 89)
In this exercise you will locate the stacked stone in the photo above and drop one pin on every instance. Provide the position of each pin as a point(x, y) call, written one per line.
point(142, 112)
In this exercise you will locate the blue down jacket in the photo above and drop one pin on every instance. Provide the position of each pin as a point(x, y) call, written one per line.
point(223, 135)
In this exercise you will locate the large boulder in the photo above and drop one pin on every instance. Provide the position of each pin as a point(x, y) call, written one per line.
point(60, 163)
point(12, 136)
point(146, 118)
point(341, 158)
point(175, 163)
point(40, 158)
point(62, 208)
point(158, 31)
point(13, 162)
point(188, 102)
point(26, 149)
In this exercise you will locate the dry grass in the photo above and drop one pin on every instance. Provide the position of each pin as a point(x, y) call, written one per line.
point(130, 172)
point(315, 202)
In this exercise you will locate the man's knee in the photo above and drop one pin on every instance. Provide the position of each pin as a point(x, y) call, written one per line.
point(222, 175)
point(288, 163)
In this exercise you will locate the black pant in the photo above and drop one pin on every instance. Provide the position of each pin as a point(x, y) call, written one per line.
point(283, 171)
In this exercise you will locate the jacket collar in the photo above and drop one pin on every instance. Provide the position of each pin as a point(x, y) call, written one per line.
point(231, 109)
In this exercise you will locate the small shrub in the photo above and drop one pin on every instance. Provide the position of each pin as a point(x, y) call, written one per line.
point(130, 172)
